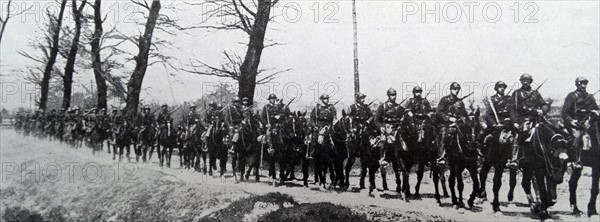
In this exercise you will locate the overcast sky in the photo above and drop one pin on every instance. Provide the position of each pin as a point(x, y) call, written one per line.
point(399, 45)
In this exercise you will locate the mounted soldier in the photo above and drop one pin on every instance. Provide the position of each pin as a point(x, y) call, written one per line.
point(388, 119)
point(526, 106)
point(580, 114)
point(497, 140)
point(234, 116)
point(164, 118)
point(273, 116)
point(358, 139)
point(321, 118)
point(450, 109)
point(578, 106)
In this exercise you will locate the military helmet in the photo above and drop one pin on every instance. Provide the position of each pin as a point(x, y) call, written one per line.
point(245, 99)
point(164, 106)
point(324, 96)
point(192, 106)
point(417, 89)
point(580, 80)
point(360, 96)
point(499, 84)
point(212, 103)
point(272, 96)
point(391, 91)
point(454, 85)
point(525, 77)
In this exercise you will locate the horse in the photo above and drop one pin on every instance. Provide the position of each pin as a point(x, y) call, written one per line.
point(321, 147)
point(93, 132)
point(544, 160)
point(296, 129)
point(496, 151)
point(245, 147)
point(464, 154)
point(419, 133)
point(213, 145)
point(122, 138)
point(590, 157)
point(167, 139)
point(146, 139)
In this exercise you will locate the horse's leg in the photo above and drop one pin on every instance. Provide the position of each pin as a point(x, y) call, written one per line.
point(498, 171)
point(243, 161)
point(114, 151)
point(223, 162)
point(436, 179)
point(383, 178)
point(575, 175)
point(460, 184)
point(340, 177)
point(204, 170)
point(305, 175)
point(544, 193)
point(485, 170)
point(405, 165)
point(594, 191)
point(420, 172)
point(512, 183)
point(348, 168)
point(452, 183)
point(526, 184)
point(363, 171)
point(373, 167)
point(442, 174)
point(472, 168)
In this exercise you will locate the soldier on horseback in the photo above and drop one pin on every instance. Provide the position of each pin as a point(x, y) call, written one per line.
point(526, 108)
point(361, 116)
point(535, 158)
point(213, 118)
point(388, 120)
point(164, 118)
point(497, 140)
point(578, 106)
point(321, 117)
point(449, 110)
point(273, 116)
point(234, 116)
point(579, 111)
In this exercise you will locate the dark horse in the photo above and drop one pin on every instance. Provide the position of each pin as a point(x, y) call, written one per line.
point(419, 132)
point(590, 157)
point(296, 128)
point(245, 147)
point(544, 152)
point(122, 139)
point(167, 139)
point(497, 150)
point(94, 134)
point(356, 144)
point(463, 154)
point(213, 145)
point(146, 139)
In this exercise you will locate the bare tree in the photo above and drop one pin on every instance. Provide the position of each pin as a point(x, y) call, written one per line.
point(8, 16)
point(144, 44)
point(72, 56)
point(252, 20)
point(53, 52)
point(101, 87)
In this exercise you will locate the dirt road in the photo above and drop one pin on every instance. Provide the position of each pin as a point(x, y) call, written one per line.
point(52, 181)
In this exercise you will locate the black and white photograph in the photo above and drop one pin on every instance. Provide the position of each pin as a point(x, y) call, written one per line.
point(299, 110)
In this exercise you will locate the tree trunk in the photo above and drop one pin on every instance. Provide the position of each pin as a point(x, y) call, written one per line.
point(355, 29)
point(70, 66)
point(249, 68)
point(134, 85)
point(99, 74)
point(45, 84)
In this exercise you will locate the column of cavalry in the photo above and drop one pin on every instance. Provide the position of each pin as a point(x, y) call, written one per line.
point(514, 134)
